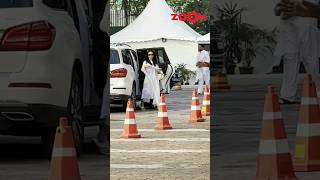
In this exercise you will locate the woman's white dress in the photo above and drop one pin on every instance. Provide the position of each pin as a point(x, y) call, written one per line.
point(151, 89)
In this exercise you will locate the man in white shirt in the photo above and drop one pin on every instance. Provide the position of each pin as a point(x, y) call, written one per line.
point(203, 63)
point(297, 42)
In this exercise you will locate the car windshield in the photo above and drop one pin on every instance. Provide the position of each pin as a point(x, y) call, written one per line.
point(15, 3)
point(114, 57)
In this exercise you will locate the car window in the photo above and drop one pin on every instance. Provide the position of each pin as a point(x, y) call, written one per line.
point(130, 58)
point(114, 57)
point(72, 9)
point(135, 57)
point(15, 3)
point(161, 57)
point(126, 57)
point(56, 4)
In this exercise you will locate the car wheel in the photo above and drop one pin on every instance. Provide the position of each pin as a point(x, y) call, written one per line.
point(75, 111)
point(133, 97)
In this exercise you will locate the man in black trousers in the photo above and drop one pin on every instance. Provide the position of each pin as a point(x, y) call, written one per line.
point(101, 52)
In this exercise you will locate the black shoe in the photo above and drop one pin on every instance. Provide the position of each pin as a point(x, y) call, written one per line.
point(103, 147)
point(284, 101)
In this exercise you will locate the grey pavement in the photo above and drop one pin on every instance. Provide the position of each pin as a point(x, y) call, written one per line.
point(236, 125)
point(182, 153)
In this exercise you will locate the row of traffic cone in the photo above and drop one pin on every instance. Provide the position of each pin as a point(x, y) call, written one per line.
point(130, 129)
point(64, 164)
point(274, 158)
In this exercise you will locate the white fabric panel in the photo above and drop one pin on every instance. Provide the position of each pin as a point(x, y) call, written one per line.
point(155, 22)
point(205, 39)
point(177, 51)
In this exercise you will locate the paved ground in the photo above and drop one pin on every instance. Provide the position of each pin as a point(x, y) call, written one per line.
point(22, 158)
point(236, 127)
point(181, 153)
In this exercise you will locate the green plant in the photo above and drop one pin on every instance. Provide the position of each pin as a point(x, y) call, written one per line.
point(255, 41)
point(242, 41)
point(184, 73)
point(229, 19)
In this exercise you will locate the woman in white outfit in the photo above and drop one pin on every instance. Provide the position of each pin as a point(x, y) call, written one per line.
point(151, 89)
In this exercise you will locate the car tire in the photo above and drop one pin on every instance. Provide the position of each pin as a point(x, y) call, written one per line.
point(75, 112)
point(133, 97)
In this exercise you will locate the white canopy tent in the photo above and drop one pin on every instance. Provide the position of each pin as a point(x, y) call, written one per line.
point(155, 28)
point(205, 39)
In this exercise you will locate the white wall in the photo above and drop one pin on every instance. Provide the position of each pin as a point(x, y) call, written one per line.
point(177, 51)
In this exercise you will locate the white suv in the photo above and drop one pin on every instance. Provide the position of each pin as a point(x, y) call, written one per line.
point(126, 78)
point(124, 74)
point(46, 69)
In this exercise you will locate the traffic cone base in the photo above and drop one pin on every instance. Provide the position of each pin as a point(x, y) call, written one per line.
point(205, 109)
point(163, 127)
point(163, 119)
point(274, 159)
point(131, 136)
point(64, 164)
point(130, 129)
point(268, 171)
point(306, 167)
point(301, 154)
point(195, 115)
point(307, 145)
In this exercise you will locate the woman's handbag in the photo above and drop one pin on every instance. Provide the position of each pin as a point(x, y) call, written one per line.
point(160, 74)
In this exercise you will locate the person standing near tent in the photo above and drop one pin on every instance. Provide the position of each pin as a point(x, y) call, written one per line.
point(203, 63)
point(297, 41)
point(151, 84)
point(198, 75)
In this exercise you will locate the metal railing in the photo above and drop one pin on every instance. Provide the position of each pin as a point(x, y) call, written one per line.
point(117, 18)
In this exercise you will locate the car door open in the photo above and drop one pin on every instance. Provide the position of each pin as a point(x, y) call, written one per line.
point(167, 69)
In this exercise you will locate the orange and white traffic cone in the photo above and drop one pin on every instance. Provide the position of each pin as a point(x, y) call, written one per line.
point(274, 158)
point(130, 129)
point(206, 102)
point(64, 164)
point(195, 115)
point(163, 120)
point(307, 147)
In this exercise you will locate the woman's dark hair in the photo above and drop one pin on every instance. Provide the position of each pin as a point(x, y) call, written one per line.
point(153, 59)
